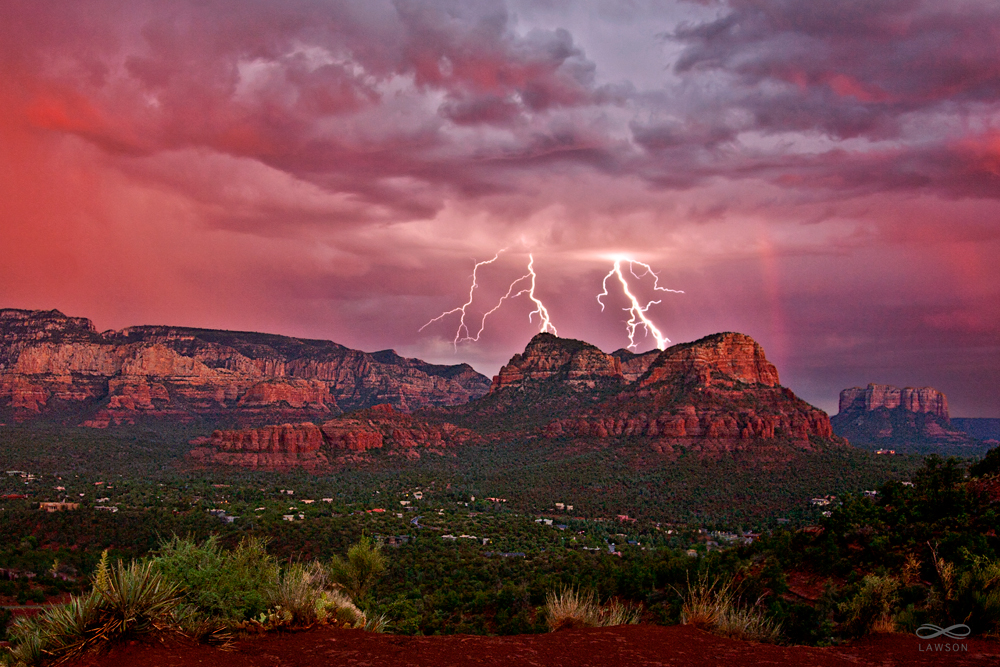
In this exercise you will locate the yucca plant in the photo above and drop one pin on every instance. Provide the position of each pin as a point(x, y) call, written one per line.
point(125, 600)
point(135, 599)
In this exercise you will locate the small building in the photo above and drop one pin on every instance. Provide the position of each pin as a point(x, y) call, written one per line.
point(58, 507)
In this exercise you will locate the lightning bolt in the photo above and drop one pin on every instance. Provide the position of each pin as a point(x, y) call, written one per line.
point(637, 312)
point(540, 309)
point(461, 322)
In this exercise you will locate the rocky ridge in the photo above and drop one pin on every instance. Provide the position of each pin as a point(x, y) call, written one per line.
point(60, 368)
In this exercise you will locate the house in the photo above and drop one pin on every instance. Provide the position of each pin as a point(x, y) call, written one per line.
point(57, 507)
point(288, 517)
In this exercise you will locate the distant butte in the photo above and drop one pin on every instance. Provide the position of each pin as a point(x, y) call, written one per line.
point(884, 416)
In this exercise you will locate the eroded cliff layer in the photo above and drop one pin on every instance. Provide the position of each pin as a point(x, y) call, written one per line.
point(60, 367)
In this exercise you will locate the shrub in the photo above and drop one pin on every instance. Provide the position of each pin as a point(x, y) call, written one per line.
point(870, 609)
point(715, 606)
point(231, 585)
point(303, 598)
point(977, 594)
point(363, 566)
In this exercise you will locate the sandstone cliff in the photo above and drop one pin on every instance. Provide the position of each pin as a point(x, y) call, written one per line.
point(270, 447)
point(887, 417)
point(59, 367)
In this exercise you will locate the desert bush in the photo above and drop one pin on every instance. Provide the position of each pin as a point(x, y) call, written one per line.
point(299, 593)
point(977, 594)
point(364, 564)
point(871, 608)
point(570, 608)
point(304, 596)
point(231, 585)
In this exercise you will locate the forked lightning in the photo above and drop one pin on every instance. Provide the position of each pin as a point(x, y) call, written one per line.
point(637, 312)
point(540, 309)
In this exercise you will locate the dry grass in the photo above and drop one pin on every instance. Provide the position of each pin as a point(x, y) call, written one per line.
point(884, 624)
point(570, 608)
point(715, 606)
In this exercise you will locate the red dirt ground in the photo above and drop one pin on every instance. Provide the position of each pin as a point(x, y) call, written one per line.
point(631, 646)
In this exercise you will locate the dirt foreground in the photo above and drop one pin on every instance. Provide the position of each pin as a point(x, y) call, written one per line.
point(634, 646)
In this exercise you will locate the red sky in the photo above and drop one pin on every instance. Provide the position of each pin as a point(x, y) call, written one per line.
point(824, 176)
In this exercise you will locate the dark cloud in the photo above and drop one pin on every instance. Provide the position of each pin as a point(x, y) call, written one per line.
point(334, 168)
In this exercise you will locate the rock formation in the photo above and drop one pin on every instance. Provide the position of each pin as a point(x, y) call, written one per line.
point(336, 441)
point(889, 417)
point(719, 392)
point(60, 367)
point(715, 395)
point(571, 362)
point(924, 400)
point(270, 447)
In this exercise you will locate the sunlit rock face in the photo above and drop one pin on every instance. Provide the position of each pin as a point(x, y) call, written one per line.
point(61, 368)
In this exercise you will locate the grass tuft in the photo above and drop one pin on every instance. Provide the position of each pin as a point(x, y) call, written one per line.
point(715, 606)
point(569, 608)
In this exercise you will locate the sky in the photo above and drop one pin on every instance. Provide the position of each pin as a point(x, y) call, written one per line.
point(823, 176)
